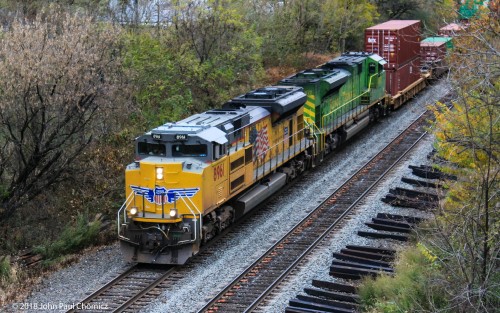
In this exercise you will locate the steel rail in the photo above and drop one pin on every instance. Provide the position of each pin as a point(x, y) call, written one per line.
point(106, 287)
point(81, 305)
point(142, 293)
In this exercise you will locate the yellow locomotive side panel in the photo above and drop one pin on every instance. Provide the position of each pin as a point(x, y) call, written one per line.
point(249, 177)
point(284, 137)
point(215, 184)
point(237, 171)
point(299, 125)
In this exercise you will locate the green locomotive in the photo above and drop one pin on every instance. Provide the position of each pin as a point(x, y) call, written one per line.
point(343, 96)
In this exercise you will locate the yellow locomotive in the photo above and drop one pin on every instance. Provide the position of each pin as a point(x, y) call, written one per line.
point(192, 178)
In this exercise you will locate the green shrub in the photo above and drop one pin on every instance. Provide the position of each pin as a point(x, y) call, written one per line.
point(413, 288)
point(5, 269)
point(73, 239)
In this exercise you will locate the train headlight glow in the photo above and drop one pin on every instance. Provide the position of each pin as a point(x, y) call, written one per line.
point(159, 173)
point(133, 211)
point(173, 213)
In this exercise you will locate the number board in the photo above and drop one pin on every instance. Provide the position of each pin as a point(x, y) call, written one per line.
point(218, 171)
point(156, 136)
point(181, 137)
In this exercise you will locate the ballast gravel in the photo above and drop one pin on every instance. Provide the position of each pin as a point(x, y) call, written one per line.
point(205, 279)
point(63, 289)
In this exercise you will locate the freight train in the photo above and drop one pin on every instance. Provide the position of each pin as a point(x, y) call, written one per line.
point(191, 179)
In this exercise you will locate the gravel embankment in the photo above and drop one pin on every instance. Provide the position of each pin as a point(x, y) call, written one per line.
point(206, 279)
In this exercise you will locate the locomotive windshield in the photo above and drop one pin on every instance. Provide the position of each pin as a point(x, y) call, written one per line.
point(145, 148)
point(189, 150)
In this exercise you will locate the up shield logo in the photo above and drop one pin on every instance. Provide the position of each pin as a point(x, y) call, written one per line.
point(161, 195)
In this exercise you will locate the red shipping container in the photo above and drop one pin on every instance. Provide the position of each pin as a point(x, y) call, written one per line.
point(400, 78)
point(432, 51)
point(397, 41)
point(450, 30)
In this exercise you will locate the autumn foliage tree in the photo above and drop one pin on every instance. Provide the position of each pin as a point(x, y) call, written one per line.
point(344, 30)
point(206, 55)
point(466, 234)
point(216, 49)
point(59, 81)
point(455, 265)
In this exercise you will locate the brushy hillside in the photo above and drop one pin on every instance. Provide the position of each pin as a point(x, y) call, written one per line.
point(81, 79)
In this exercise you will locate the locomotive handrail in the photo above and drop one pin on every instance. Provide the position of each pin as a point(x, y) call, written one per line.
point(129, 200)
point(320, 131)
point(370, 81)
point(124, 208)
point(270, 148)
point(343, 105)
point(199, 218)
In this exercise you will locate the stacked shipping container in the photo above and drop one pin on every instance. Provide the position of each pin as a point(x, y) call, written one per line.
point(433, 52)
point(450, 30)
point(398, 79)
point(434, 48)
point(398, 42)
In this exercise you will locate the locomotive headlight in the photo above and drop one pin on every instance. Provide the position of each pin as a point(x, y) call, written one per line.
point(173, 212)
point(133, 211)
point(159, 173)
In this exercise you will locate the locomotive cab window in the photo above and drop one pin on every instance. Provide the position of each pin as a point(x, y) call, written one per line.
point(372, 68)
point(145, 148)
point(219, 151)
point(189, 150)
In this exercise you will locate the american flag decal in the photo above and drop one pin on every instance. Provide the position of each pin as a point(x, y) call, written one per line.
point(261, 144)
point(160, 199)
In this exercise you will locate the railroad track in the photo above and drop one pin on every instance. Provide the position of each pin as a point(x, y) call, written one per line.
point(136, 287)
point(252, 286)
point(129, 291)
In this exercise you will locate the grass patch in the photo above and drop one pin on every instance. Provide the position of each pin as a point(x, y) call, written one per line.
point(73, 239)
point(412, 289)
